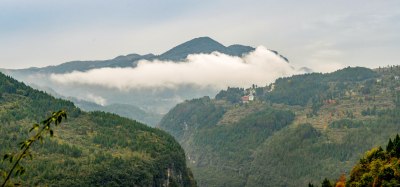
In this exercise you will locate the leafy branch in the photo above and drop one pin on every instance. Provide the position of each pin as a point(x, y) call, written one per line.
point(25, 146)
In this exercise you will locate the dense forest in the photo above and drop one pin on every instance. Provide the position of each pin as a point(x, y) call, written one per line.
point(295, 132)
point(89, 149)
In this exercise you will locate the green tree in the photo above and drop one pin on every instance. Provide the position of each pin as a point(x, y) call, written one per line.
point(389, 146)
point(326, 183)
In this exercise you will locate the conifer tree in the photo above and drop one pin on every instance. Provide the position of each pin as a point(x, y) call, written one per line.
point(396, 146)
point(389, 146)
point(326, 183)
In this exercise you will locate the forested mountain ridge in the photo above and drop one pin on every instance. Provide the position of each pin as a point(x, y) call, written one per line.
point(298, 130)
point(89, 149)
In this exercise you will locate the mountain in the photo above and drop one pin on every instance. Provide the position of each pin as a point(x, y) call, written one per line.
point(90, 148)
point(203, 45)
point(297, 130)
point(199, 45)
point(120, 61)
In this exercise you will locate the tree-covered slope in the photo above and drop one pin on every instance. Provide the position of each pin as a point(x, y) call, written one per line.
point(89, 149)
point(298, 130)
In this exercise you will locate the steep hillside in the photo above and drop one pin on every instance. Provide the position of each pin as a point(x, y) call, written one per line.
point(89, 149)
point(298, 130)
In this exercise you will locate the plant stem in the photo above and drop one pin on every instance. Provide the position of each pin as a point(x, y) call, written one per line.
point(21, 155)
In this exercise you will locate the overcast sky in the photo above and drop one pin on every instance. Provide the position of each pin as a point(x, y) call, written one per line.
point(313, 33)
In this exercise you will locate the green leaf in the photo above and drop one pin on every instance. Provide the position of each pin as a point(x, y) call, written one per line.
point(22, 171)
point(23, 144)
point(30, 156)
point(34, 127)
point(4, 174)
point(6, 156)
point(40, 138)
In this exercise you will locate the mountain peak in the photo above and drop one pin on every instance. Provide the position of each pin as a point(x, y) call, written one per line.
point(203, 40)
point(201, 45)
point(194, 46)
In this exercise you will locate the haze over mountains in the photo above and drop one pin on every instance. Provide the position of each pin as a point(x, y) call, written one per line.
point(156, 83)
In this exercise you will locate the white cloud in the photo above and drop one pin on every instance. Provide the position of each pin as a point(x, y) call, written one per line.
point(216, 70)
point(96, 99)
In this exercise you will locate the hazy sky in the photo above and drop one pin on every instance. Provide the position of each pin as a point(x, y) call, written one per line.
point(314, 33)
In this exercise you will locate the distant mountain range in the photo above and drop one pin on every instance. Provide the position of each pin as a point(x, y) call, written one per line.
point(147, 101)
point(201, 45)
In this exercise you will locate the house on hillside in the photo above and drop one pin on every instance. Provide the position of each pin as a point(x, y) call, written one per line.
point(249, 95)
point(245, 99)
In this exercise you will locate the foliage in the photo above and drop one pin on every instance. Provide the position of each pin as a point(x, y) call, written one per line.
point(296, 90)
point(326, 183)
point(233, 95)
point(351, 74)
point(378, 167)
point(300, 89)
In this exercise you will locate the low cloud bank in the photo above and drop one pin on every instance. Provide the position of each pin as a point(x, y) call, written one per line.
point(216, 70)
point(96, 99)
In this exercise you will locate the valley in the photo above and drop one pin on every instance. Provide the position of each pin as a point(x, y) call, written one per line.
point(199, 93)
